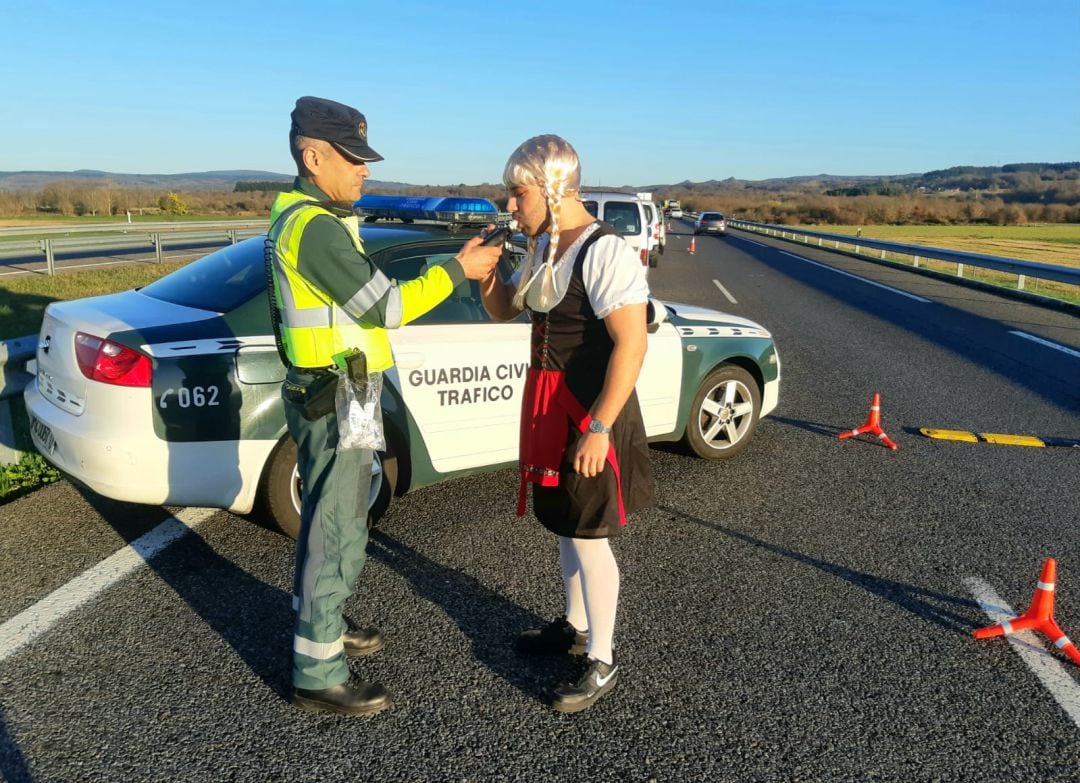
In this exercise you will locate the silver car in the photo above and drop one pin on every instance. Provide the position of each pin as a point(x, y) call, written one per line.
point(710, 223)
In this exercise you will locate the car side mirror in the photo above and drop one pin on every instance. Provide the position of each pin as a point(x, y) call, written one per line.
point(655, 314)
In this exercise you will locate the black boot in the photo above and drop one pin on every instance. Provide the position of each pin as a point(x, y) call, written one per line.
point(556, 638)
point(598, 678)
point(362, 641)
point(349, 698)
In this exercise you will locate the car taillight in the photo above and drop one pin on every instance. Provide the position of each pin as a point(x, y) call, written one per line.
point(108, 362)
point(644, 253)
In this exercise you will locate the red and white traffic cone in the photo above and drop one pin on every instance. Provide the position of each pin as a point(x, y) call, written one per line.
point(1039, 616)
point(872, 425)
point(693, 240)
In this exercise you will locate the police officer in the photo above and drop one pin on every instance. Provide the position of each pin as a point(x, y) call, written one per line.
point(332, 300)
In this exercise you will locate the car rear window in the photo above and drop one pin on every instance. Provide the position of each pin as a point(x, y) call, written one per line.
point(623, 216)
point(219, 282)
point(712, 216)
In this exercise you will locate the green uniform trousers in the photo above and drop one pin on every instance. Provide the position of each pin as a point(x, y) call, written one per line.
point(330, 551)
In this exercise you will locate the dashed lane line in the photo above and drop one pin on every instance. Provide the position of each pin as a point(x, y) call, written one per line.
point(1050, 671)
point(1047, 343)
point(860, 279)
point(35, 620)
point(725, 292)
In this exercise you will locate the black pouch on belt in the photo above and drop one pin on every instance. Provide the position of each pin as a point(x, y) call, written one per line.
point(357, 371)
point(315, 399)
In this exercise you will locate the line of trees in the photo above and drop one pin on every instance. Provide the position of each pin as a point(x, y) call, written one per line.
point(806, 209)
point(860, 205)
point(77, 198)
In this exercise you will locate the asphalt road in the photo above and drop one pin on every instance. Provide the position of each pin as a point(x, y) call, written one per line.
point(800, 613)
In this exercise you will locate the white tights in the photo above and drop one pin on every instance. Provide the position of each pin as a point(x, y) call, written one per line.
point(591, 579)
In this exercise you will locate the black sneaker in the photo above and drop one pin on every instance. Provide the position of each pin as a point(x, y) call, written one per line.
point(556, 638)
point(597, 679)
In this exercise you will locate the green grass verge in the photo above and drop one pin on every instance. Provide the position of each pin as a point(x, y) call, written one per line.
point(953, 237)
point(1048, 243)
point(29, 473)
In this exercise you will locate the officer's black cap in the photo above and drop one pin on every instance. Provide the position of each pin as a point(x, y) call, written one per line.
point(341, 125)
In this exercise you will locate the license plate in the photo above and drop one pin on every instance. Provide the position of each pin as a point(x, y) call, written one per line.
point(43, 436)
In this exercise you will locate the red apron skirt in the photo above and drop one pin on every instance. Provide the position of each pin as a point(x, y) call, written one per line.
point(547, 405)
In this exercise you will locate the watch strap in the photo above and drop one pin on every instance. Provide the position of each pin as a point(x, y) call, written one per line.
point(597, 426)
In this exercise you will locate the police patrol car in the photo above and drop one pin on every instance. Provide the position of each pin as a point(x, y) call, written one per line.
point(171, 394)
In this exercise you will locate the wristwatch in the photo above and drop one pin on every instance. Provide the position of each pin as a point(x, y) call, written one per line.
point(597, 426)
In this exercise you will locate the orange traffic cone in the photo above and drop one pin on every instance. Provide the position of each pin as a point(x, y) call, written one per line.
point(873, 425)
point(669, 227)
point(1039, 616)
point(693, 240)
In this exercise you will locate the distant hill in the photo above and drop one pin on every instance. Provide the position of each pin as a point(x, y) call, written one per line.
point(199, 180)
point(1024, 182)
point(192, 181)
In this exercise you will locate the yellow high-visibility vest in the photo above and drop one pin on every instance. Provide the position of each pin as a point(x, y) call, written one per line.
point(313, 327)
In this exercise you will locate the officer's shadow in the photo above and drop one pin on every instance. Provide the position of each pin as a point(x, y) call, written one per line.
point(256, 619)
point(488, 619)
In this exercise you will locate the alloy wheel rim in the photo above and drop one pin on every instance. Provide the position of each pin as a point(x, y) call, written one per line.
point(725, 414)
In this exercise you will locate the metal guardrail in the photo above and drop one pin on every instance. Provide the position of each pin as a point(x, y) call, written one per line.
point(157, 240)
point(1022, 269)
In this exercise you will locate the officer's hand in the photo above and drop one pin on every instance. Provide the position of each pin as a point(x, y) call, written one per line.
point(478, 262)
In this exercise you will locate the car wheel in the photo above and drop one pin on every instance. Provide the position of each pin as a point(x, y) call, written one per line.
point(654, 259)
point(723, 414)
point(280, 490)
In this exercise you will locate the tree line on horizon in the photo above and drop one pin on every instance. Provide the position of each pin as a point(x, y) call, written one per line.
point(1006, 195)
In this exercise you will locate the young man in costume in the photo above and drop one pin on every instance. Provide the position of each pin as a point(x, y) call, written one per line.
point(583, 445)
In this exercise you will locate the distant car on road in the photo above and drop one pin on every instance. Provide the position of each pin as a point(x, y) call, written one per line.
point(675, 212)
point(710, 223)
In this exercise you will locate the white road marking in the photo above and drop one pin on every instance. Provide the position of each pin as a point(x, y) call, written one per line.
point(724, 291)
point(753, 242)
point(856, 277)
point(1031, 650)
point(1047, 343)
point(35, 620)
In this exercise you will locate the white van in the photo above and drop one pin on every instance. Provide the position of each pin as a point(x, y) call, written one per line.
point(624, 212)
point(657, 235)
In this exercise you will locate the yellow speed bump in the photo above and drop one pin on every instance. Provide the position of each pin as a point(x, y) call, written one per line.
point(999, 438)
point(967, 437)
point(1012, 440)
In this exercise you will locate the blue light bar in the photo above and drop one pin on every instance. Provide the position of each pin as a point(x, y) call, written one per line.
point(447, 209)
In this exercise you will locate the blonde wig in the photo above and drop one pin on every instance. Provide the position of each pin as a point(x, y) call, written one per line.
point(549, 162)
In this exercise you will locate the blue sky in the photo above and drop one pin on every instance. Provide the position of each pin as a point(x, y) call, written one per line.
point(648, 93)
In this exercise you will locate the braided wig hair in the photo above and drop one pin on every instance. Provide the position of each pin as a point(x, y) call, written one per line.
point(551, 163)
